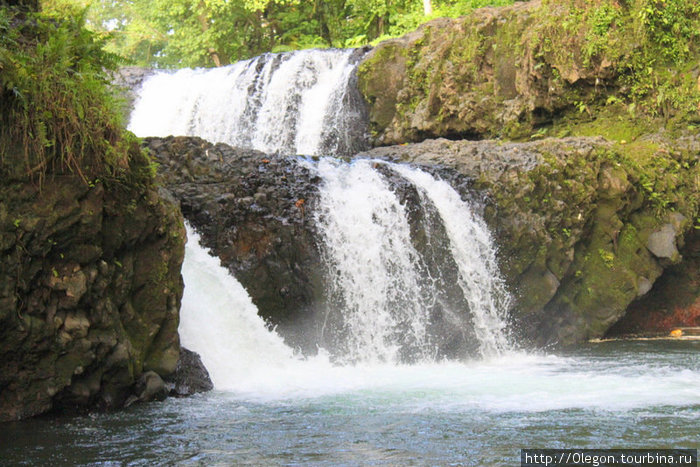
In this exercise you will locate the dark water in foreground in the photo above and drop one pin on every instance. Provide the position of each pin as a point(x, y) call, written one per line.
point(643, 394)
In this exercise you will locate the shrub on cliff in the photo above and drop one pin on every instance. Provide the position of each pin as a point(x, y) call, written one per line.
point(650, 46)
point(58, 113)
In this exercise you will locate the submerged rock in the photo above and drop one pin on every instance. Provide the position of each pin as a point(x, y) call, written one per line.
point(149, 387)
point(190, 376)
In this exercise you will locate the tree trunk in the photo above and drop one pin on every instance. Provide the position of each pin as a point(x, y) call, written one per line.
point(323, 25)
point(427, 8)
point(204, 23)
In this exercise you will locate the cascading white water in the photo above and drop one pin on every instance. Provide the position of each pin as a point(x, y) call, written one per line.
point(380, 291)
point(473, 250)
point(374, 271)
point(220, 322)
point(379, 284)
point(291, 103)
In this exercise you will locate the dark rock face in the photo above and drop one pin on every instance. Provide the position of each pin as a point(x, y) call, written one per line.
point(90, 289)
point(130, 78)
point(579, 233)
point(251, 211)
point(190, 376)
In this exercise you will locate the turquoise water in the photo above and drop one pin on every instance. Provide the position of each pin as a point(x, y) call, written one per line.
point(641, 394)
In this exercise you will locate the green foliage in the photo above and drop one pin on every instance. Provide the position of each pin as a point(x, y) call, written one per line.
point(57, 112)
point(176, 33)
point(670, 28)
point(608, 257)
point(667, 180)
point(669, 34)
point(602, 22)
point(652, 45)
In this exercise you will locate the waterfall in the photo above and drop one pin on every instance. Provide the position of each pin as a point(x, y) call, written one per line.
point(220, 322)
point(386, 290)
point(410, 267)
point(474, 252)
point(373, 268)
point(302, 102)
point(384, 296)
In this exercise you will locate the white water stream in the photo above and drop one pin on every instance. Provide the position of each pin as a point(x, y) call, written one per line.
point(473, 250)
point(374, 270)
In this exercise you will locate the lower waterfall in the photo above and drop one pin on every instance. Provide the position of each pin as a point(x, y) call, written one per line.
point(474, 251)
point(385, 289)
point(249, 363)
point(220, 322)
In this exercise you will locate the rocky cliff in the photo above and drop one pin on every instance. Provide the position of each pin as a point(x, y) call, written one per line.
point(251, 211)
point(90, 291)
point(585, 226)
point(673, 301)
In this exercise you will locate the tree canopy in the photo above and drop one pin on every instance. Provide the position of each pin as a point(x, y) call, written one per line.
point(177, 33)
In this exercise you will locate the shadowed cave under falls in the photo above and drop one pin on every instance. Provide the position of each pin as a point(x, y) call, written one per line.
point(412, 362)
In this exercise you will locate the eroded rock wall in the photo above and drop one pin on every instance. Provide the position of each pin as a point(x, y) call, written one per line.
point(91, 289)
point(672, 302)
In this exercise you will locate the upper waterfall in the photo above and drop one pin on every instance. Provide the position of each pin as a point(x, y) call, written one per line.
point(303, 102)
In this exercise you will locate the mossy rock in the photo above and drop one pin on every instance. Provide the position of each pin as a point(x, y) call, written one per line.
point(90, 298)
point(537, 69)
